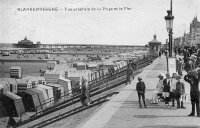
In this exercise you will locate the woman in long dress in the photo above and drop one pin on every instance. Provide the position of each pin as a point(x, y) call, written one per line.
point(158, 91)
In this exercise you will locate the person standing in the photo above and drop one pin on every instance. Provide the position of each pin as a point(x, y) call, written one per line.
point(85, 94)
point(159, 86)
point(179, 66)
point(140, 87)
point(192, 79)
point(129, 74)
point(173, 88)
point(180, 91)
point(159, 53)
point(158, 91)
point(166, 89)
point(188, 65)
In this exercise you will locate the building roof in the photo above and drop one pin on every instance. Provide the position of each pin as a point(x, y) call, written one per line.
point(33, 78)
point(4, 83)
point(25, 40)
point(155, 40)
point(9, 80)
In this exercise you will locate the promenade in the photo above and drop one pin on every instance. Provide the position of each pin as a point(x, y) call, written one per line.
point(122, 111)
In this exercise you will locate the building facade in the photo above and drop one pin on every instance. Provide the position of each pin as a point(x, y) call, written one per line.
point(192, 38)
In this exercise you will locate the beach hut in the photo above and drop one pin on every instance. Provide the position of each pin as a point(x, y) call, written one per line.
point(92, 66)
point(81, 66)
point(49, 91)
point(105, 70)
point(119, 65)
point(6, 53)
point(13, 104)
point(51, 65)
point(124, 63)
point(41, 80)
point(12, 83)
point(62, 62)
point(79, 73)
point(30, 100)
point(33, 79)
point(74, 65)
point(40, 97)
point(58, 91)
point(15, 72)
point(47, 56)
point(5, 86)
point(23, 85)
point(44, 93)
point(52, 77)
point(66, 83)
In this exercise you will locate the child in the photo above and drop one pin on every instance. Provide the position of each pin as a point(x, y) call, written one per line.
point(140, 87)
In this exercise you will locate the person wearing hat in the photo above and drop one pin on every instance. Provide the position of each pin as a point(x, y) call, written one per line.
point(159, 86)
point(189, 65)
point(179, 93)
point(193, 80)
point(158, 91)
point(140, 87)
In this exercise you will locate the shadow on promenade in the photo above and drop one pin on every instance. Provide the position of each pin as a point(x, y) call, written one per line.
point(135, 104)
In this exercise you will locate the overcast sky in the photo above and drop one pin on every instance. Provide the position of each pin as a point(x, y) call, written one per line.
point(126, 27)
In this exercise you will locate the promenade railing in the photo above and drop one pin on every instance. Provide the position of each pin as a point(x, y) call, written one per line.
point(96, 86)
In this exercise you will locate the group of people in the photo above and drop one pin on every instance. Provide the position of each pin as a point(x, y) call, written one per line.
point(170, 89)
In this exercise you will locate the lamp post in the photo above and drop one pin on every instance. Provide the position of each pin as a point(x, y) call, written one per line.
point(167, 56)
point(169, 25)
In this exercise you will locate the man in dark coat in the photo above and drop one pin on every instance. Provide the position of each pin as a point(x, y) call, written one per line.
point(129, 74)
point(140, 87)
point(85, 94)
point(166, 89)
point(192, 79)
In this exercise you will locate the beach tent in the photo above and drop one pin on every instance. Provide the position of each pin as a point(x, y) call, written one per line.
point(47, 56)
point(52, 76)
point(33, 79)
point(12, 83)
point(92, 66)
point(23, 85)
point(62, 62)
point(30, 100)
point(40, 97)
point(15, 72)
point(58, 91)
point(49, 91)
point(46, 98)
point(5, 86)
point(81, 66)
point(51, 64)
point(66, 83)
point(13, 104)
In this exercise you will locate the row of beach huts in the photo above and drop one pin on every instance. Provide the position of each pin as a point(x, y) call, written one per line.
point(19, 94)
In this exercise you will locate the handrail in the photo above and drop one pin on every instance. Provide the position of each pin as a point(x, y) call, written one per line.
point(93, 85)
